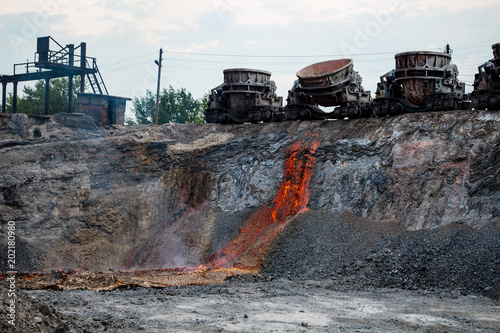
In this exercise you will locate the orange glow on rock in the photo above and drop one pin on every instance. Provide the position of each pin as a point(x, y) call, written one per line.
point(257, 234)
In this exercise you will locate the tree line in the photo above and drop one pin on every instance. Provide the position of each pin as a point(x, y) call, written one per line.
point(174, 106)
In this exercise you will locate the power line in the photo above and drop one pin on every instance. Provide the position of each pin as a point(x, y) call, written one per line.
point(127, 67)
point(201, 69)
point(148, 54)
point(264, 56)
point(127, 59)
point(477, 43)
point(283, 56)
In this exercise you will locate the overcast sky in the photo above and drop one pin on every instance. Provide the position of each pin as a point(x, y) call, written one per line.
point(201, 38)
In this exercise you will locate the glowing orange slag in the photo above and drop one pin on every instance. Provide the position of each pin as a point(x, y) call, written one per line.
point(257, 234)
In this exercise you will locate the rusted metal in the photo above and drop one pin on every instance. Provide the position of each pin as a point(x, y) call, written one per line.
point(247, 95)
point(428, 80)
point(104, 109)
point(417, 71)
point(387, 96)
point(486, 94)
point(496, 50)
point(420, 81)
point(496, 57)
point(328, 83)
point(324, 81)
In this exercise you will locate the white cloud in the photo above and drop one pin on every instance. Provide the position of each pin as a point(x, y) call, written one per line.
point(426, 6)
point(151, 19)
point(282, 13)
point(18, 7)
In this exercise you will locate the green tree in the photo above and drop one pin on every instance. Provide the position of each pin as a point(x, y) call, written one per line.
point(33, 99)
point(143, 108)
point(175, 106)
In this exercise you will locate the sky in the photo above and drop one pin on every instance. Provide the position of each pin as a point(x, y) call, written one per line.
point(202, 38)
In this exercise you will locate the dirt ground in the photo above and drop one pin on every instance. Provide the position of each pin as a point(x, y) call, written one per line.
point(275, 306)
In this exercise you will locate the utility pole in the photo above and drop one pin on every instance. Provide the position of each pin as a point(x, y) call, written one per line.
point(158, 62)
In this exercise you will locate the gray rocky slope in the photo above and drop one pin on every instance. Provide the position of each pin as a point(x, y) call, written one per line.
point(423, 188)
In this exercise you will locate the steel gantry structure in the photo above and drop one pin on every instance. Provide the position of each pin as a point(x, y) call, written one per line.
point(49, 64)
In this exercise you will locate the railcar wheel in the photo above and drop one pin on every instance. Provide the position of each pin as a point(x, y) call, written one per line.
point(336, 113)
point(446, 105)
point(429, 105)
point(493, 103)
point(353, 112)
point(385, 110)
point(304, 114)
point(394, 109)
point(474, 102)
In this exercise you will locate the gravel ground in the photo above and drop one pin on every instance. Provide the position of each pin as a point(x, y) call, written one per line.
point(354, 252)
point(31, 314)
point(276, 306)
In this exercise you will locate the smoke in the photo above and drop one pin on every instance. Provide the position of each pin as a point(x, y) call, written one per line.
point(175, 253)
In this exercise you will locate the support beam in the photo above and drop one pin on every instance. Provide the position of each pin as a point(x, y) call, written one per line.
point(14, 100)
point(71, 56)
point(4, 96)
point(83, 64)
point(47, 96)
point(70, 94)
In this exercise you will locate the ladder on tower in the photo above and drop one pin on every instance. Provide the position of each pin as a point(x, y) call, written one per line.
point(96, 82)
